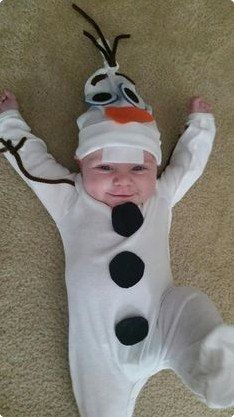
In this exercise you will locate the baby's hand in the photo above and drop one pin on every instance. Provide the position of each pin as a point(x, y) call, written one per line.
point(8, 101)
point(198, 105)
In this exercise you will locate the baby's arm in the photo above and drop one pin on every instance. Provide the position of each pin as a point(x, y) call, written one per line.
point(57, 198)
point(191, 153)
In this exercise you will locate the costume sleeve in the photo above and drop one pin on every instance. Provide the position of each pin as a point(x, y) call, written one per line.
point(189, 157)
point(56, 197)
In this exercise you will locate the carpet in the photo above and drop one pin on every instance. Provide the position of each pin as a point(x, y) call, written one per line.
point(177, 49)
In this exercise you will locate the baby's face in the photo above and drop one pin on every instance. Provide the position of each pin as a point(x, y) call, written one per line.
point(114, 183)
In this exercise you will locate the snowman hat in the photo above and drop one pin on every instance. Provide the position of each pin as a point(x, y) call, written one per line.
point(118, 120)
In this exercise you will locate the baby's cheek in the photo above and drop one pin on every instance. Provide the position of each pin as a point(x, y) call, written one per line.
point(94, 186)
point(149, 182)
point(149, 187)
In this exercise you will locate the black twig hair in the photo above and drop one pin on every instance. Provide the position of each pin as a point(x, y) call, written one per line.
point(110, 54)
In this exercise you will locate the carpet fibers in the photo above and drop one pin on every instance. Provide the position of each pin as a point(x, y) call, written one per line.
point(177, 49)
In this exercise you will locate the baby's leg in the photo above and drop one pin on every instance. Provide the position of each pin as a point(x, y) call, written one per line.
point(197, 345)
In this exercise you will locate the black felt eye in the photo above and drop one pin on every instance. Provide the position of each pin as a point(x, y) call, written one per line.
point(131, 95)
point(102, 97)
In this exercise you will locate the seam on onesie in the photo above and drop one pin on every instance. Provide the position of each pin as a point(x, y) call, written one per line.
point(175, 324)
point(134, 394)
point(185, 376)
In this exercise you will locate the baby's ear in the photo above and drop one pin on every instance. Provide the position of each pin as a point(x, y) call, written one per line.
point(76, 159)
point(79, 165)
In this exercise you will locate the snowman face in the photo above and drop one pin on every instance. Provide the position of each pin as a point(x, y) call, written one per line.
point(106, 87)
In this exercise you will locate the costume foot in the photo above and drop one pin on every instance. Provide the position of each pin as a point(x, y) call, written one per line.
point(8, 101)
point(198, 105)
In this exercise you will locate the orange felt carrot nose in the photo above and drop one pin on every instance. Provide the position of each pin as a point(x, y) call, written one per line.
point(128, 114)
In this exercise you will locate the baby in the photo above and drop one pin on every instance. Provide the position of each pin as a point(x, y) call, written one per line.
point(120, 182)
point(127, 320)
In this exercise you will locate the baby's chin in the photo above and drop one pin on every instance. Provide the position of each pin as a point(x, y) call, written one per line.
point(113, 201)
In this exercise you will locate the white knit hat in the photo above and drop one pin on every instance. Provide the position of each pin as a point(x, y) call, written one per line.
point(120, 142)
point(118, 120)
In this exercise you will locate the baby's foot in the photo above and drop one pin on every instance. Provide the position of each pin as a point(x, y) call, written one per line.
point(198, 105)
point(8, 101)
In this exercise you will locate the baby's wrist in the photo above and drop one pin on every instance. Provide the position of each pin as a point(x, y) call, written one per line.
point(9, 112)
point(200, 115)
point(202, 120)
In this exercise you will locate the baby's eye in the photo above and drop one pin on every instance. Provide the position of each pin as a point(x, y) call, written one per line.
point(103, 167)
point(139, 166)
point(108, 167)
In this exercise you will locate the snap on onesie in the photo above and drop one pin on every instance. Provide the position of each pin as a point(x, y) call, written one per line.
point(127, 320)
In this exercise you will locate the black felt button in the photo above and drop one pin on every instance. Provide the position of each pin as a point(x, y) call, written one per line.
point(132, 330)
point(126, 219)
point(126, 269)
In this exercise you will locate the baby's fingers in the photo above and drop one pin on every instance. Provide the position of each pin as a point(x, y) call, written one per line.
point(7, 93)
point(2, 96)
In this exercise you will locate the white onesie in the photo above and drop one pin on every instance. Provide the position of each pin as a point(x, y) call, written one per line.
point(127, 320)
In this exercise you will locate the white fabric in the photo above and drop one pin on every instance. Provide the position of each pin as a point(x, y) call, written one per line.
point(197, 345)
point(106, 375)
point(97, 130)
point(107, 133)
point(118, 154)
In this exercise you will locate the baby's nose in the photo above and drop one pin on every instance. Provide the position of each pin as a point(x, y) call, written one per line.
point(128, 114)
point(121, 178)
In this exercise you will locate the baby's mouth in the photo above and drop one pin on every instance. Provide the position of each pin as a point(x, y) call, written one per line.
point(121, 195)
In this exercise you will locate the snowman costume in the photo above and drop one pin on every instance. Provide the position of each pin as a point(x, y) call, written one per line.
point(127, 320)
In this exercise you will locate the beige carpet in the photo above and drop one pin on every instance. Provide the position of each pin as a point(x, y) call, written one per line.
point(177, 49)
